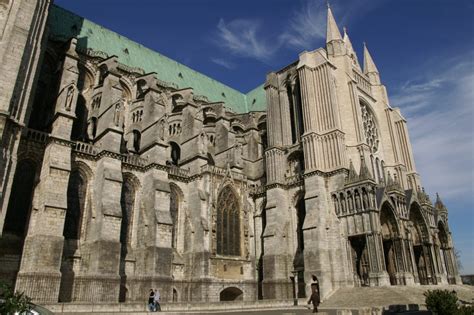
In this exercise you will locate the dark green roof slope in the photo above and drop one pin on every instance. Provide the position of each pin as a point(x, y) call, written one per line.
point(64, 25)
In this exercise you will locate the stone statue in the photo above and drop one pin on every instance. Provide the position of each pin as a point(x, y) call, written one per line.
point(69, 97)
point(162, 127)
point(238, 152)
point(90, 130)
point(202, 144)
point(118, 113)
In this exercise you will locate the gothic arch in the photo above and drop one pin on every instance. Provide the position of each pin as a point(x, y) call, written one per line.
point(443, 235)
point(231, 294)
point(388, 216)
point(21, 198)
point(17, 218)
point(420, 245)
point(416, 216)
point(390, 231)
point(45, 94)
point(176, 210)
point(228, 223)
point(76, 203)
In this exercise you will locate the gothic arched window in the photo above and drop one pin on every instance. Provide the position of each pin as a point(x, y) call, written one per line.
point(76, 199)
point(174, 209)
point(16, 220)
point(228, 223)
point(127, 200)
point(175, 153)
point(137, 137)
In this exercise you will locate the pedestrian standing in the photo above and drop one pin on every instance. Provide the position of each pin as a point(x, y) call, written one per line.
point(151, 301)
point(314, 298)
point(157, 301)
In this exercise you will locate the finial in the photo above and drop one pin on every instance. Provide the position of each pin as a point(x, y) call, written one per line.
point(328, 5)
point(345, 29)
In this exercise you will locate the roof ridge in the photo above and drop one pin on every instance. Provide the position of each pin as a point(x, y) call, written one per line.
point(200, 82)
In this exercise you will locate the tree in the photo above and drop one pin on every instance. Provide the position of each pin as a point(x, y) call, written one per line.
point(11, 301)
point(457, 256)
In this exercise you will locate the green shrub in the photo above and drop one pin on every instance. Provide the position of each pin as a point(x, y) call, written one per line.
point(465, 310)
point(441, 302)
point(11, 302)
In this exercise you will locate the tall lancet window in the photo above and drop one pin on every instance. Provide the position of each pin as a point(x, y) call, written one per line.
point(174, 209)
point(76, 200)
point(127, 200)
point(228, 223)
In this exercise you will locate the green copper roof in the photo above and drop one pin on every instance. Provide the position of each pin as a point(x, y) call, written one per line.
point(64, 25)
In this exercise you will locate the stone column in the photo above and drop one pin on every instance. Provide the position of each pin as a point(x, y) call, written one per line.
point(21, 45)
point(153, 253)
point(277, 260)
point(39, 276)
point(324, 252)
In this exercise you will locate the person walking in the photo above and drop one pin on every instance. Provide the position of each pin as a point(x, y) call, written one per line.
point(157, 301)
point(314, 298)
point(151, 301)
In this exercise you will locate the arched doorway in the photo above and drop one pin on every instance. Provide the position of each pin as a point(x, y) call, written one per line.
point(446, 254)
point(231, 294)
point(17, 220)
point(420, 246)
point(298, 261)
point(360, 259)
point(390, 232)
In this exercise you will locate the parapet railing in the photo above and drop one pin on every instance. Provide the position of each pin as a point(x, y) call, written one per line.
point(35, 135)
point(362, 82)
point(85, 148)
point(293, 179)
point(134, 160)
point(177, 171)
point(220, 171)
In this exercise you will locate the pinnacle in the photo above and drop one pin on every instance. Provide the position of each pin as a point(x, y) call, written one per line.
point(369, 64)
point(332, 32)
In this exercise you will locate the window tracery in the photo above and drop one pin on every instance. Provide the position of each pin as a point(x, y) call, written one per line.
point(370, 127)
point(228, 224)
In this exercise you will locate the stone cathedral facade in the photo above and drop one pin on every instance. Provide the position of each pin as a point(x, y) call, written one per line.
point(124, 170)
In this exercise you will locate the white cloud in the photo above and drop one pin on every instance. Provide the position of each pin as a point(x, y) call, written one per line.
point(240, 37)
point(307, 25)
point(439, 112)
point(304, 29)
point(224, 63)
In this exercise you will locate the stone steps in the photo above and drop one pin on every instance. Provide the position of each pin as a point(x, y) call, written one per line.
point(392, 295)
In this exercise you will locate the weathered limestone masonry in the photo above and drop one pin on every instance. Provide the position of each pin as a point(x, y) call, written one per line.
point(123, 170)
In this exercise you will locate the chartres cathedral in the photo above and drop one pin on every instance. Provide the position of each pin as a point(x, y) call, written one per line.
point(123, 170)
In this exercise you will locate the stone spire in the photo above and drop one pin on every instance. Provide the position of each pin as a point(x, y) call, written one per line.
point(332, 31)
point(352, 176)
point(439, 203)
point(350, 50)
point(364, 172)
point(370, 69)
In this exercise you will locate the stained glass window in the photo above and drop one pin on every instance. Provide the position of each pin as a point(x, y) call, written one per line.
point(370, 127)
point(228, 224)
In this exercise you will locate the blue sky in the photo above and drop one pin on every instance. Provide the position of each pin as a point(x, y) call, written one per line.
point(424, 50)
